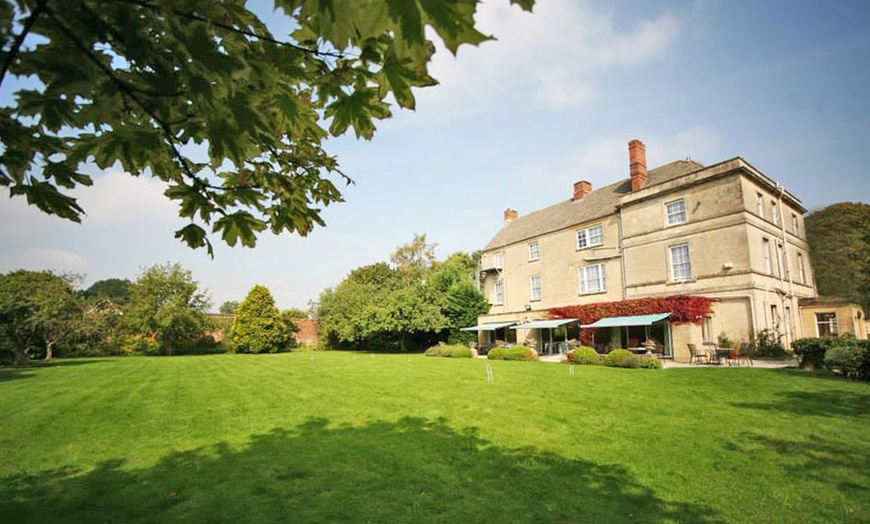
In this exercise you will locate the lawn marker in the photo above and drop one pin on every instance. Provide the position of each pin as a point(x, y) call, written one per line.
point(489, 378)
point(571, 370)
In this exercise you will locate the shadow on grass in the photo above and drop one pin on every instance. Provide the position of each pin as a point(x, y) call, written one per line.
point(831, 403)
point(8, 373)
point(412, 470)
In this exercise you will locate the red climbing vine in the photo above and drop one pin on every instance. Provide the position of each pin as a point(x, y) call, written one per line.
point(683, 308)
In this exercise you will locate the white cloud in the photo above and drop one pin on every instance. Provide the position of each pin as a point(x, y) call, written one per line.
point(556, 55)
point(119, 197)
point(37, 258)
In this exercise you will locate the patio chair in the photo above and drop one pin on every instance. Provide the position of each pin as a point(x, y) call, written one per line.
point(713, 350)
point(697, 355)
point(745, 354)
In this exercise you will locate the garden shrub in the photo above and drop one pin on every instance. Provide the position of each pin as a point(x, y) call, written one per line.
point(447, 351)
point(811, 352)
point(767, 344)
point(847, 359)
point(434, 351)
point(622, 358)
point(258, 326)
point(462, 352)
point(585, 356)
point(651, 363)
point(520, 353)
point(496, 354)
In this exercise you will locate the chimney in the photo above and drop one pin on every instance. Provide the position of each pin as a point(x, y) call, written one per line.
point(637, 164)
point(581, 189)
point(510, 215)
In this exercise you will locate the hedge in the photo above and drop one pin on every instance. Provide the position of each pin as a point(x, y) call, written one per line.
point(622, 358)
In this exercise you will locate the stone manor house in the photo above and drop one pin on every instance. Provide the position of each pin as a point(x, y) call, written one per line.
point(724, 231)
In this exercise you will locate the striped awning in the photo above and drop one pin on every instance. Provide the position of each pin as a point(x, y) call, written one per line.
point(545, 324)
point(488, 327)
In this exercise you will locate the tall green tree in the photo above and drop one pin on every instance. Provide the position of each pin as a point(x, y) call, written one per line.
point(38, 310)
point(839, 247)
point(167, 303)
point(135, 82)
point(258, 326)
point(229, 307)
point(463, 303)
point(118, 290)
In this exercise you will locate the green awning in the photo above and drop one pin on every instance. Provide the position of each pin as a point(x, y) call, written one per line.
point(637, 320)
point(488, 327)
point(545, 324)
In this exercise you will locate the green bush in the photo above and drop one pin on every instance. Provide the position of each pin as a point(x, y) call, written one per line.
point(846, 359)
point(622, 358)
point(520, 353)
point(138, 345)
point(811, 352)
point(651, 363)
point(767, 344)
point(462, 352)
point(447, 351)
point(496, 354)
point(585, 356)
point(434, 351)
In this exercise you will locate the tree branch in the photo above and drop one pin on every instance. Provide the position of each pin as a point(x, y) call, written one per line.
point(19, 40)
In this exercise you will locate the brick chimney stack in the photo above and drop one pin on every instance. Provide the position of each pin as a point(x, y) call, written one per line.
point(637, 164)
point(581, 189)
point(510, 215)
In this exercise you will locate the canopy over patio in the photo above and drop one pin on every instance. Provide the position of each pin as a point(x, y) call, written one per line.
point(488, 327)
point(544, 324)
point(636, 320)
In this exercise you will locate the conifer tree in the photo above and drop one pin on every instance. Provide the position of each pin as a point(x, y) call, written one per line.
point(258, 326)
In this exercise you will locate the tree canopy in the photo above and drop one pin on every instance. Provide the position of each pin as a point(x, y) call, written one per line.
point(258, 326)
point(167, 303)
point(38, 309)
point(136, 83)
point(840, 250)
point(415, 302)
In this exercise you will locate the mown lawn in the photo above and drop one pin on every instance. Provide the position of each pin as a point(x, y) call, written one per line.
point(341, 437)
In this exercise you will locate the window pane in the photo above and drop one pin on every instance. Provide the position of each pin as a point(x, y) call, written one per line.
point(581, 239)
point(535, 287)
point(499, 292)
point(592, 279)
point(596, 235)
point(676, 212)
point(533, 251)
point(680, 265)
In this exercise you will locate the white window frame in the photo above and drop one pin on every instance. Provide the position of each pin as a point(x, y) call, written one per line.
point(498, 260)
point(833, 326)
point(707, 330)
point(589, 235)
point(774, 318)
point(768, 263)
point(535, 290)
point(498, 299)
point(774, 212)
point(587, 280)
point(534, 253)
point(795, 228)
point(787, 319)
point(802, 275)
point(675, 217)
point(674, 264)
point(759, 204)
point(780, 259)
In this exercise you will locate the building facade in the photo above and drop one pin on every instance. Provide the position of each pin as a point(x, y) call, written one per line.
point(724, 231)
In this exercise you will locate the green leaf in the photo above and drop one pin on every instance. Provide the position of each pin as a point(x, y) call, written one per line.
point(239, 226)
point(49, 200)
point(357, 110)
point(195, 237)
point(454, 22)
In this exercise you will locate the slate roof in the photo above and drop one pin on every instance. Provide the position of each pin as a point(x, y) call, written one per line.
point(599, 203)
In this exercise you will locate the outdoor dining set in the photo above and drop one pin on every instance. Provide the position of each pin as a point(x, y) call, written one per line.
point(710, 353)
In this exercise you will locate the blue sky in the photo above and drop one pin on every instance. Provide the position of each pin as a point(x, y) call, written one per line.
point(513, 124)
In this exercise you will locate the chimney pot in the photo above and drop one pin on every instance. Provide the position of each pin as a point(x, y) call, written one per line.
point(637, 164)
point(581, 189)
point(510, 215)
